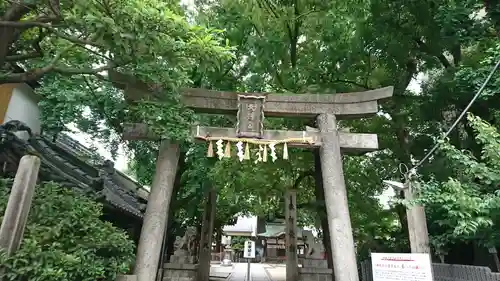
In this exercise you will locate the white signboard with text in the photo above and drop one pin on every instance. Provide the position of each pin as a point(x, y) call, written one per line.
point(249, 251)
point(401, 267)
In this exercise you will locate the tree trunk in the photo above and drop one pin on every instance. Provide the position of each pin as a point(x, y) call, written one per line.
point(492, 8)
point(218, 240)
point(14, 12)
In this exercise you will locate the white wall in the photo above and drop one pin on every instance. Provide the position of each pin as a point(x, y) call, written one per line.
point(23, 106)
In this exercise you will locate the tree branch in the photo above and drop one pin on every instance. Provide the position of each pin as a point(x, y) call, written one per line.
point(425, 48)
point(14, 12)
point(307, 13)
point(25, 24)
point(29, 24)
point(301, 177)
point(18, 31)
point(89, 71)
point(294, 36)
point(22, 57)
point(354, 83)
point(267, 6)
point(38, 53)
point(456, 52)
point(113, 121)
point(37, 73)
point(17, 10)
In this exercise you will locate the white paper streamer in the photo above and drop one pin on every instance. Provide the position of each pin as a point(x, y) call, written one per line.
point(259, 154)
point(240, 152)
point(220, 149)
point(273, 152)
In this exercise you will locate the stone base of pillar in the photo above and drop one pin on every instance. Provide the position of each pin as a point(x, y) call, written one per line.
point(314, 263)
point(126, 278)
point(180, 269)
point(180, 272)
point(315, 270)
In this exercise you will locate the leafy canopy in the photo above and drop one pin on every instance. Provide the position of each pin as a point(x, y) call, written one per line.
point(466, 205)
point(70, 46)
point(286, 46)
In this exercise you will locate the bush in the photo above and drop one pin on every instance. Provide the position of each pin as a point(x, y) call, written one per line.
point(65, 239)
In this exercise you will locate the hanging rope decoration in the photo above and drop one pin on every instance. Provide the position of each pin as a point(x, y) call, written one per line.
point(250, 141)
point(263, 148)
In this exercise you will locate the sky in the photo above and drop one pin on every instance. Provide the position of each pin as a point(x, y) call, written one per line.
point(86, 140)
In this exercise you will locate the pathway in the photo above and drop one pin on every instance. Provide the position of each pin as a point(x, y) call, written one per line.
point(276, 272)
point(258, 272)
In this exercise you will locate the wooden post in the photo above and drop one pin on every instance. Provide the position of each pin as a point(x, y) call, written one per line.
point(206, 236)
point(292, 264)
point(417, 222)
point(155, 218)
point(19, 204)
point(339, 222)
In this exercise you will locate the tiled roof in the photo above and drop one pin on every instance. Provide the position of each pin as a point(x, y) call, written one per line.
point(277, 229)
point(243, 224)
point(62, 161)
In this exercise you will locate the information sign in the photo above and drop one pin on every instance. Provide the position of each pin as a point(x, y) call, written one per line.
point(401, 267)
point(249, 251)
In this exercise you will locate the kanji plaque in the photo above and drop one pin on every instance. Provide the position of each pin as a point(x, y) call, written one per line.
point(250, 116)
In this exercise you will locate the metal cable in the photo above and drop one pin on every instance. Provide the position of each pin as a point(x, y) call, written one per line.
point(466, 109)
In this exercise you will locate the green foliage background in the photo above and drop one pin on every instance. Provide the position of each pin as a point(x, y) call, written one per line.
point(65, 239)
point(301, 46)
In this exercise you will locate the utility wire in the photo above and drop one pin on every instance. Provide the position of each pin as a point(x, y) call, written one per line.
point(466, 109)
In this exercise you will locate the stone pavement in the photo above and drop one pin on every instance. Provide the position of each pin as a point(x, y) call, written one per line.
point(220, 272)
point(276, 272)
point(258, 272)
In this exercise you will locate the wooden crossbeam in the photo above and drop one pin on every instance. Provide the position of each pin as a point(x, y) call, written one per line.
point(343, 105)
point(348, 141)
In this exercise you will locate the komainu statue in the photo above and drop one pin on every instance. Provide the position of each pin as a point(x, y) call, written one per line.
point(185, 246)
point(314, 249)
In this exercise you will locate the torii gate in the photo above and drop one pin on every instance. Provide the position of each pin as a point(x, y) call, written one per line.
point(250, 109)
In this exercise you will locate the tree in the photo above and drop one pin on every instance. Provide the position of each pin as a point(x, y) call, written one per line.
point(238, 243)
point(306, 46)
point(466, 205)
point(89, 37)
point(296, 47)
point(65, 239)
point(70, 46)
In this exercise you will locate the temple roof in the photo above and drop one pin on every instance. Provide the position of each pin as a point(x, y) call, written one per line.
point(243, 226)
point(66, 161)
point(278, 229)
